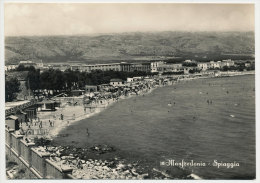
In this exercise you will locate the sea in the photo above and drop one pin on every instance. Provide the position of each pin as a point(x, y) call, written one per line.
point(199, 122)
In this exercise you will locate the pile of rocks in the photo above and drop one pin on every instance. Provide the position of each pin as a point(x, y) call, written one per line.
point(101, 149)
point(12, 172)
point(98, 169)
point(85, 168)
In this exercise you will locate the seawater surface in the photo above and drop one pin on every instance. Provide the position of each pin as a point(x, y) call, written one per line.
point(201, 120)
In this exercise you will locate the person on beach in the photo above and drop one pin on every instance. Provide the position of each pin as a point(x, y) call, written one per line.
point(21, 131)
point(79, 164)
point(28, 132)
point(87, 132)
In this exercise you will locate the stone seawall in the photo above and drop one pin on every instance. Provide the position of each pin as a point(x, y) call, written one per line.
point(37, 162)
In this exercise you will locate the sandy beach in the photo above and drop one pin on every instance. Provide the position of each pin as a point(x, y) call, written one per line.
point(52, 123)
point(72, 114)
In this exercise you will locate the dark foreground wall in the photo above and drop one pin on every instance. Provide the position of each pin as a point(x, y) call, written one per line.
point(39, 164)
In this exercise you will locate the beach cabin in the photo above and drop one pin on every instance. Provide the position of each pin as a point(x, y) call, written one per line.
point(129, 80)
point(12, 122)
point(22, 116)
point(77, 92)
point(90, 88)
point(116, 82)
point(137, 78)
point(46, 105)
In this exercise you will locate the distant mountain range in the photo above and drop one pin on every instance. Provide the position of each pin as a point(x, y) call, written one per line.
point(130, 46)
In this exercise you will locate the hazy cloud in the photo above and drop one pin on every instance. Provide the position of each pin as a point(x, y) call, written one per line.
point(88, 18)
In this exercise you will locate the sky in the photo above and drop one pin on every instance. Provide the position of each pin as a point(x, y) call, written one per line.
point(89, 18)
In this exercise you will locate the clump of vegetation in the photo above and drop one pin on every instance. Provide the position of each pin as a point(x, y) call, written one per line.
point(11, 89)
point(42, 141)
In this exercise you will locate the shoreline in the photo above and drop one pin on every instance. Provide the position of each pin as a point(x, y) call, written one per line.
point(100, 108)
point(120, 168)
point(111, 102)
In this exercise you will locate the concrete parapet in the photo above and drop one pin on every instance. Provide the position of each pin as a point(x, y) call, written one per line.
point(38, 161)
point(8, 133)
point(16, 145)
point(57, 171)
point(26, 152)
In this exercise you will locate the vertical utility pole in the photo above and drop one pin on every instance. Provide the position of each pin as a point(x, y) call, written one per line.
point(29, 88)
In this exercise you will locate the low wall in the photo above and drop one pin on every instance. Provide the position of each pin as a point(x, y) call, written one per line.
point(38, 162)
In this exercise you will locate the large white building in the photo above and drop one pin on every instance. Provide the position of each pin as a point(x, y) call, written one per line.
point(103, 67)
point(170, 68)
point(203, 66)
point(155, 65)
point(228, 63)
point(215, 65)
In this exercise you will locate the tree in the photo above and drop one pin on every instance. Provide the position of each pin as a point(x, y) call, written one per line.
point(225, 68)
point(46, 80)
point(187, 64)
point(33, 80)
point(58, 80)
point(11, 89)
point(21, 67)
point(70, 78)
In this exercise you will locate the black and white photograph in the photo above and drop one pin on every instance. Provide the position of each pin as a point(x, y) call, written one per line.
point(129, 91)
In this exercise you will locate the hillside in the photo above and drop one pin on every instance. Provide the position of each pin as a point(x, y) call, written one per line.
point(129, 46)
